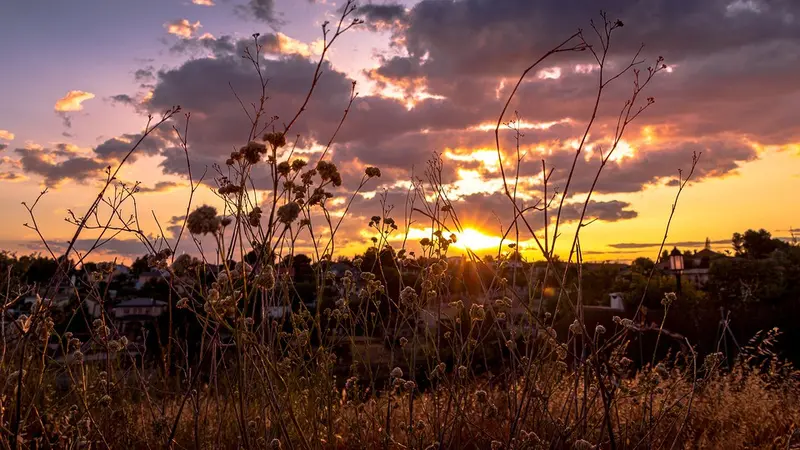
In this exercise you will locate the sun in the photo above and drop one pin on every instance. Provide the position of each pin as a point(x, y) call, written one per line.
point(472, 239)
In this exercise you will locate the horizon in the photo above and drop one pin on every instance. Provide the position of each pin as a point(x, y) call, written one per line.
point(432, 77)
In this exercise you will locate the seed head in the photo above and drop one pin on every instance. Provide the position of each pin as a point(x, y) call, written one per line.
point(203, 220)
point(288, 213)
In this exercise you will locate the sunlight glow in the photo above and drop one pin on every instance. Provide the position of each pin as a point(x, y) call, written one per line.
point(623, 150)
point(470, 238)
point(523, 125)
point(473, 182)
point(488, 158)
point(475, 240)
point(552, 73)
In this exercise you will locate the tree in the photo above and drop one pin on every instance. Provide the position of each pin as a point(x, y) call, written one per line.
point(643, 265)
point(756, 244)
point(140, 265)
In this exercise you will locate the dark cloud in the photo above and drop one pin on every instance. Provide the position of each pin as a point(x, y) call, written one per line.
point(127, 248)
point(500, 37)
point(380, 16)
point(606, 211)
point(3, 146)
point(144, 75)
point(44, 162)
point(116, 148)
point(262, 10)
point(161, 186)
point(124, 99)
point(65, 119)
point(224, 45)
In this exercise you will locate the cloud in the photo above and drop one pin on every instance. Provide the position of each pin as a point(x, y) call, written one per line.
point(645, 245)
point(382, 16)
point(475, 36)
point(273, 44)
point(262, 10)
point(70, 103)
point(203, 2)
point(118, 147)
point(161, 186)
point(182, 27)
point(6, 135)
point(124, 247)
point(125, 99)
point(3, 147)
point(11, 176)
point(281, 44)
point(73, 101)
point(55, 166)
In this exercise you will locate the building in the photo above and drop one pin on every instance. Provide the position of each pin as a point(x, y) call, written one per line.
point(130, 316)
point(696, 265)
point(138, 307)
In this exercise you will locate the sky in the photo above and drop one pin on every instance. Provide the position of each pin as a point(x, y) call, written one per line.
point(81, 76)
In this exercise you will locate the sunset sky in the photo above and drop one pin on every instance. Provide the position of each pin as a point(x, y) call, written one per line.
point(80, 76)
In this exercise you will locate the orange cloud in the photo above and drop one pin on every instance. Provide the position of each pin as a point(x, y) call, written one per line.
point(203, 2)
point(285, 45)
point(12, 176)
point(182, 28)
point(6, 135)
point(72, 101)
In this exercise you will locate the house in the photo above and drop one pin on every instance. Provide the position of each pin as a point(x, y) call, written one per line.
point(141, 306)
point(131, 315)
point(696, 266)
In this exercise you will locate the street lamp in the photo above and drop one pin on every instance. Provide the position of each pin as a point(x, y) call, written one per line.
point(676, 265)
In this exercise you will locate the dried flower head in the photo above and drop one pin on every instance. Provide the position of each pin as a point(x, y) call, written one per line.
point(203, 220)
point(254, 217)
point(284, 168)
point(476, 312)
point(397, 373)
point(298, 164)
point(288, 213)
point(252, 151)
point(329, 171)
point(373, 172)
point(408, 295)
point(276, 139)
